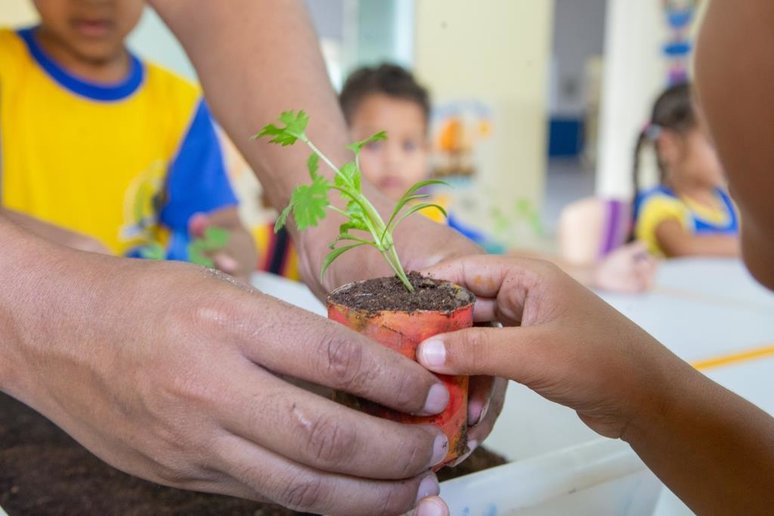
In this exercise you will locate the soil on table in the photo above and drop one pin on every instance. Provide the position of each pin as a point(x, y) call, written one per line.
point(45, 472)
point(389, 294)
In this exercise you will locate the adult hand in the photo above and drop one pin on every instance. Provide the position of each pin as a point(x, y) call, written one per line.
point(172, 373)
point(560, 340)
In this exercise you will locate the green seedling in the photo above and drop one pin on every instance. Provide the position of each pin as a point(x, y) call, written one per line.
point(213, 239)
point(309, 202)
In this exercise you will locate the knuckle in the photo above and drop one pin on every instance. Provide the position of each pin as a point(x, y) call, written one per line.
point(409, 392)
point(342, 361)
point(329, 441)
point(302, 494)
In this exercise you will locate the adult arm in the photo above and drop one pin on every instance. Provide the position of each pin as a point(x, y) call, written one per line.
point(254, 60)
point(54, 233)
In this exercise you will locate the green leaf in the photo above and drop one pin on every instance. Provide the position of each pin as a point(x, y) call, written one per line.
point(309, 202)
point(196, 256)
point(216, 238)
point(409, 196)
point(348, 177)
point(335, 253)
point(417, 207)
point(313, 165)
point(358, 146)
point(293, 130)
point(283, 217)
point(153, 251)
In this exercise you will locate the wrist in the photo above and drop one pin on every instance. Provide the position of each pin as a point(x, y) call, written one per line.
point(665, 396)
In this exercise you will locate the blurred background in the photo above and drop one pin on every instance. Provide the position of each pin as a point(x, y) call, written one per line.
point(551, 92)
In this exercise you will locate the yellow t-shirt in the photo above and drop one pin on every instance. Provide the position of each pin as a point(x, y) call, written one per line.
point(661, 204)
point(126, 163)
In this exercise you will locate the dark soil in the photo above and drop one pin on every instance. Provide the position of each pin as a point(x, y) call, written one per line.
point(389, 294)
point(45, 472)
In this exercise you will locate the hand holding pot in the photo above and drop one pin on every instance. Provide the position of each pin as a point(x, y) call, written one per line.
point(560, 339)
point(170, 372)
point(711, 447)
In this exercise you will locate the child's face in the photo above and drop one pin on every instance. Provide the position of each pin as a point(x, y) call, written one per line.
point(694, 157)
point(90, 30)
point(400, 161)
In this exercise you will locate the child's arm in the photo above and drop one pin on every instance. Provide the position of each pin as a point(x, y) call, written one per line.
point(239, 257)
point(711, 447)
point(54, 233)
point(675, 241)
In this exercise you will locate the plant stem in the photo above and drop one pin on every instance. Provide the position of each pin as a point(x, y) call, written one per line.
point(376, 226)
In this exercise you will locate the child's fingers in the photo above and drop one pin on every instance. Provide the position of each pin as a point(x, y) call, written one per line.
point(225, 263)
point(481, 351)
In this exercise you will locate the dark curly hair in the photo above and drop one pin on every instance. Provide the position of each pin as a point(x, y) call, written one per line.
point(388, 79)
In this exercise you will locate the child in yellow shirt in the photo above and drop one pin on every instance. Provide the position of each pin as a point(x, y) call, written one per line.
point(689, 212)
point(102, 144)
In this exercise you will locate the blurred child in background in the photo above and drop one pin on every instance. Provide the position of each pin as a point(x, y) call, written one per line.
point(389, 98)
point(103, 151)
point(689, 212)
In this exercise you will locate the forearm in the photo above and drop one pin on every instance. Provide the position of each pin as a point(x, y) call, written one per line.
point(714, 449)
point(249, 80)
point(704, 245)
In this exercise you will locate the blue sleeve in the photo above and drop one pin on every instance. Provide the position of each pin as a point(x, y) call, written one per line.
point(197, 182)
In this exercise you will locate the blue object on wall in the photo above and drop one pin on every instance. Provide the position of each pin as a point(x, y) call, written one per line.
point(565, 137)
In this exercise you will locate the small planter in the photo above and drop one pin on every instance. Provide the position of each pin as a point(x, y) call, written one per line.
point(385, 311)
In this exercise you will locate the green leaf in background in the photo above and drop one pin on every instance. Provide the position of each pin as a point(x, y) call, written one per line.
point(216, 238)
point(358, 146)
point(153, 251)
point(196, 256)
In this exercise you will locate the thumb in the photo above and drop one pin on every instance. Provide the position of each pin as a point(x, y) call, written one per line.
point(504, 352)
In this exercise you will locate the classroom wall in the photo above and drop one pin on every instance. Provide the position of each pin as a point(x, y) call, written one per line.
point(578, 35)
point(14, 13)
point(497, 52)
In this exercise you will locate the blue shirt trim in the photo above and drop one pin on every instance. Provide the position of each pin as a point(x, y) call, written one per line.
point(90, 90)
point(197, 182)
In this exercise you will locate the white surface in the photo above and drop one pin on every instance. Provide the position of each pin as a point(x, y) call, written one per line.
point(700, 309)
point(600, 477)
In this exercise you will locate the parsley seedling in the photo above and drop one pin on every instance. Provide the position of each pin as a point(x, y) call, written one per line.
point(363, 225)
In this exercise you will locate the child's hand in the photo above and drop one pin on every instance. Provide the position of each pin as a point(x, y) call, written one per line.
point(237, 257)
point(628, 269)
point(560, 340)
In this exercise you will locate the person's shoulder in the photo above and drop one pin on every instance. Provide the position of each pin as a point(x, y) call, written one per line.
point(11, 44)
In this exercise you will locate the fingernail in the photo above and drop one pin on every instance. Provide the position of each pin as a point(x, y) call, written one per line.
point(437, 399)
point(433, 507)
point(432, 353)
point(440, 449)
point(475, 410)
point(428, 487)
